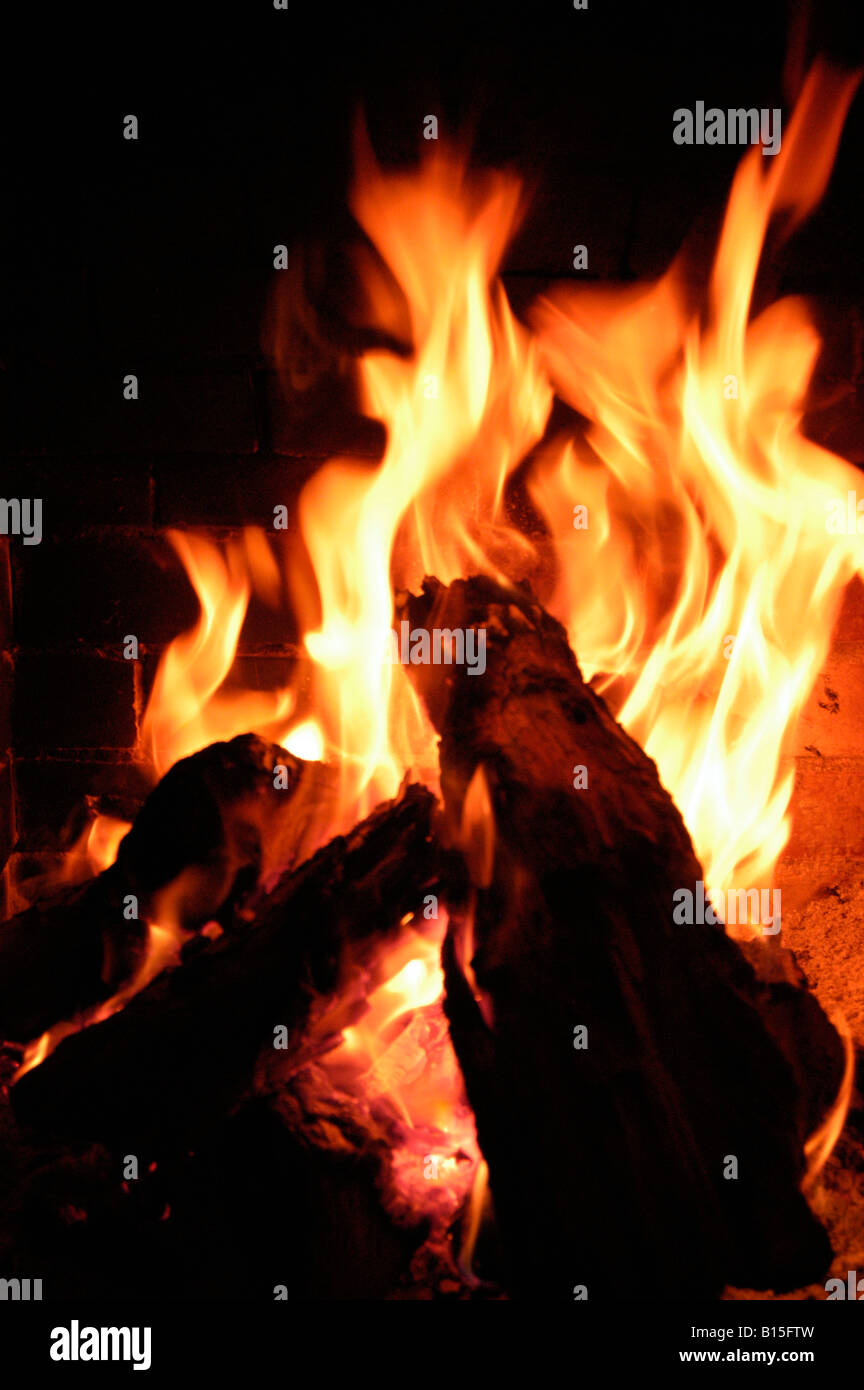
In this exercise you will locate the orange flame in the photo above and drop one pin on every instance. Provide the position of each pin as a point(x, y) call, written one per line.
point(695, 572)
point(460, 412)
point(702, 593)
point(162, 949)
point(396, 1063)
point(187, 709)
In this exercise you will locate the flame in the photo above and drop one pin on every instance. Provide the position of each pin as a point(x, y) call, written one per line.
point(187, 709)
point(477, 829)
point(162, 949)
point(820, 1144)
point(395, 1066)
point(306, 741)
point(103, 841)
point(470, 390)
point(686, 532)
point(703, 593)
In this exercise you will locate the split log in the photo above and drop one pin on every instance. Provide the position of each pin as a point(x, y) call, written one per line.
point(663, 1160)
point(213, 828)
point(182, 1053)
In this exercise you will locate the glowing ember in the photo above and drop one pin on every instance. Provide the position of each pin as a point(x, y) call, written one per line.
point(397, 1063)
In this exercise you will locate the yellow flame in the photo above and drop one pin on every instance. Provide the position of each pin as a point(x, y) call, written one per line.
point(693, 566)
point(702, 592)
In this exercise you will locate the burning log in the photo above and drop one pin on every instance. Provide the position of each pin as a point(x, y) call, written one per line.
point(641, 1097)
point(54, 957)
point(183, 1051)
point(221, 821)
point(213, 827)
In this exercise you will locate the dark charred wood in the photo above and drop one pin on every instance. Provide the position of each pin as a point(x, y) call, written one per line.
point(65, 956)
point(182, 1053)
point(210, 831)
point(607, 1163)
point(218, 823)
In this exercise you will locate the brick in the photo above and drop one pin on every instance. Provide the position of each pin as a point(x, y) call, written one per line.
point(7, 781)
point(185, 411)
point(228, 492)
point(269, 671)
point(8, 833)
point(7, 685)
point(827, 810)
point(72, 701)
point(831, 722)
point(6, 660)
point(98, 590)
point(50, 791)
point(850, 622)
point(318, 422)
point(78, 493)
point(268, 631)
point(45, 306)
point(261, 671)
point(177, 255)
point(824, 848)
point(7, 816)
point(193, 312)
point(5, 591)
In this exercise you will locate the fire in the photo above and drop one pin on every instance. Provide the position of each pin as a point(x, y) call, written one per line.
point(306, 741)
point(685, 529)
point(703, 593)
point(460, 413)
point(187, 709)
point(162, 950)
point(395, 1072)
point(103, 841)
point(694, 570)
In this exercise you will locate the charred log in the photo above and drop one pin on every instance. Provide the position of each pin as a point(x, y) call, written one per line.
point(665, 1158)
point(212, 828)
point(183, 1051)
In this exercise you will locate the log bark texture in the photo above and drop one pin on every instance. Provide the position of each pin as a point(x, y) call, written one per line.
point(183, 1051)
point(664, 1160)
point(210, 831)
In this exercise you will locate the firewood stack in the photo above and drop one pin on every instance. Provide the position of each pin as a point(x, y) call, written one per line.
point(660, 1158)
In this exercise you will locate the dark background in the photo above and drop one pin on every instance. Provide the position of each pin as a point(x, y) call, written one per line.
point(155, 257)
point(246, 112)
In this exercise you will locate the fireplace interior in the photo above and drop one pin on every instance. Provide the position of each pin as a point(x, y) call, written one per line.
point(295, 1034)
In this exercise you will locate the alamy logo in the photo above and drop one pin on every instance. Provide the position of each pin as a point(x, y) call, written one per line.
point(736, 907)
point(741, 126)
point(446, 646)
point(21, 517)
point(76, 1343)
point(845, 518)
point(853, 1288)
point(19, 1290)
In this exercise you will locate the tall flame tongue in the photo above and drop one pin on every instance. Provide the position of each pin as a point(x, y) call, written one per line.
point(460, 411)
point(187, 709)
point(703, 594)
